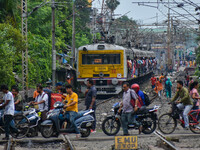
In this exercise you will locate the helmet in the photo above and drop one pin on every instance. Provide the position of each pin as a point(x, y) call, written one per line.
point(136, 87)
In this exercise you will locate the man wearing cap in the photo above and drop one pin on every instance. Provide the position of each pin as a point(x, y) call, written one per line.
point(58, 87)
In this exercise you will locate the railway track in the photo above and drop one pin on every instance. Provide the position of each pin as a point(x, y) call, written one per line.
point(167, 143)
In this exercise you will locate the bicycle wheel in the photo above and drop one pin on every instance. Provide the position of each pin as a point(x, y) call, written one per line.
point(166, 124)
point(20, 126)
point(195, 122)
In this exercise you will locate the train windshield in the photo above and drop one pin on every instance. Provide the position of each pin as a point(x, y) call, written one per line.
point(101, 59)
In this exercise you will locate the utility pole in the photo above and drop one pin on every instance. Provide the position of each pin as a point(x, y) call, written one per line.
point(73, 36)
point(53, 46)
point(172, 40)
point(168, 40)
point(25, 50)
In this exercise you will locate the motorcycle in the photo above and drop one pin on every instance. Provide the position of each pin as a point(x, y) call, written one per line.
point(17, 128)
point(56, 123)
point(33, 120)
point(145, 116)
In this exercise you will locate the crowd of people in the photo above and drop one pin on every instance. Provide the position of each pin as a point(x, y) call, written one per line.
point(188, 99)
point(186, 93)
point(162, 85)
point(140, 66)
point(12, 104)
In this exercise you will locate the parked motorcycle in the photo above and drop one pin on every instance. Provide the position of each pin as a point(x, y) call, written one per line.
point(55, 123)
point(33, 119)
point(145, 116)
point(17, 128)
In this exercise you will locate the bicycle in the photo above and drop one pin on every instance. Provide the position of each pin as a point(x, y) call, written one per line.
point(167, 122)
point(17, 129)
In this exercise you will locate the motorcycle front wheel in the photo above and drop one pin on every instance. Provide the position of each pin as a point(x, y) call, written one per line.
point(111, 126)
point(149, 125)
point(47, 131)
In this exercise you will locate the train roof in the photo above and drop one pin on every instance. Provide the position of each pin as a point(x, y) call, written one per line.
point(105, 46)
point(140, 53)
point(101, 46)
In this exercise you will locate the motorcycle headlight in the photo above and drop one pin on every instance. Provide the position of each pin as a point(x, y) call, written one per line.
point(112, 110)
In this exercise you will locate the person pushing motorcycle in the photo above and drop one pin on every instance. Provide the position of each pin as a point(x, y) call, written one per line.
point(185, 103)
point(127, 109)
point(8, 105)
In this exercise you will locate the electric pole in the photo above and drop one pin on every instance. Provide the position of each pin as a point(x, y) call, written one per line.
point(25, 50)
point(168, 40)
point(73, 35)
point(53, 46)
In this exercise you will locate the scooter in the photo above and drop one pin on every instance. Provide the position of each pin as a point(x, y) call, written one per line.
point(55, 123)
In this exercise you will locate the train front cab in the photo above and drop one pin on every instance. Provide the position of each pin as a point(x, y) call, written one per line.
point(106, 67)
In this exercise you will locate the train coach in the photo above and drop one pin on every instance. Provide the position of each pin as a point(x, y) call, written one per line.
point(110, 65)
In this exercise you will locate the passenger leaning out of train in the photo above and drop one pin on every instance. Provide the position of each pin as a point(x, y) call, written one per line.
point(140, 94)
point(184, 103)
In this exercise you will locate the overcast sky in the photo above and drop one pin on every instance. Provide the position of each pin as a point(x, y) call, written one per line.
point(147, 14)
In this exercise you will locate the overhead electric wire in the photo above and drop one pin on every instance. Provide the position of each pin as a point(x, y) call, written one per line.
point(178, 13)
point(193, 3)
point(187, 11)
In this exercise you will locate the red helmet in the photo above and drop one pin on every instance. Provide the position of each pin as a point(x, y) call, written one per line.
point(136, 87)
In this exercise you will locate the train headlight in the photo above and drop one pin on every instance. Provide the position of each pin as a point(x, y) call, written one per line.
point(119, 75)
point(114, 81)
point(101, 74)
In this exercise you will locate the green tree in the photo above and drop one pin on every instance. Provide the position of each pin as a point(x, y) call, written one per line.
point(10, 53)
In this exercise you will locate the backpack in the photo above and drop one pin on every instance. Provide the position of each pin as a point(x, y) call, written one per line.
point(140, 104)
point(54, 98)
point(146, 99)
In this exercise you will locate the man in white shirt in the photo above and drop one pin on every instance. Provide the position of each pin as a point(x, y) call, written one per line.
point(42, 101)
point(9, 107)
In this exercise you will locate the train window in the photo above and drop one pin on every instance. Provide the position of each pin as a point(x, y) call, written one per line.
point(101, 59)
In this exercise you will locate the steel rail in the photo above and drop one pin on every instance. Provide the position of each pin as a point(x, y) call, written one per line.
point(163, 138)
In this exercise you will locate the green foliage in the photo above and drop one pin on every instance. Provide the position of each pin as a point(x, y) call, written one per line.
point(10, 53)
point(112, 4)
point(39, 59)
point(39, 37)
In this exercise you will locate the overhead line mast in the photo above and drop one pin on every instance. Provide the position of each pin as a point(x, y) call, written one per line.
point(24, 50)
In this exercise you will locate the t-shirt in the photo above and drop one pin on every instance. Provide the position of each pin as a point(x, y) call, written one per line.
point(10, 108)
point(161, 77)
point(44, 106)
point(153, 80)
point(194, 91)
point(141, 95)
point(35, 94)
point(70, 99)
point(91, 93)
point(127, 96)
point(16, 98)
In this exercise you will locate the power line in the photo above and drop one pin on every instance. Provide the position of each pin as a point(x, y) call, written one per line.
point(186, 11)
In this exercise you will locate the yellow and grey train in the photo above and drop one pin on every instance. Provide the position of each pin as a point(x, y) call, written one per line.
point(106, 65)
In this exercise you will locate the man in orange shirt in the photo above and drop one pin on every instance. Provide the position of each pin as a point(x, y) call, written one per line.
point(159, 87)
point(71, 107)
point(35, 94)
